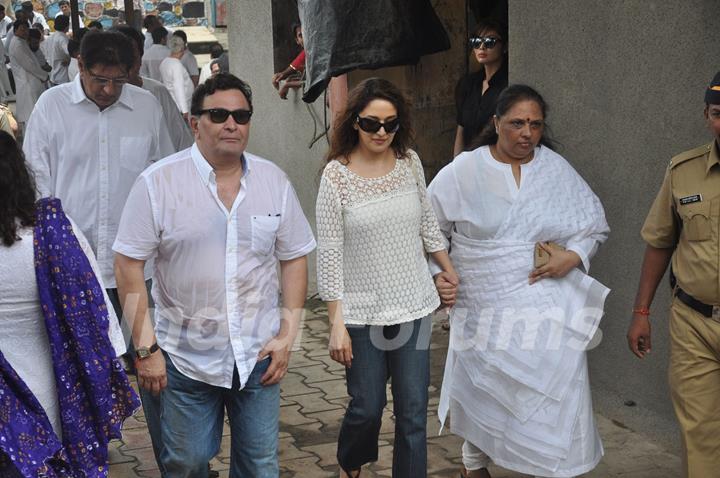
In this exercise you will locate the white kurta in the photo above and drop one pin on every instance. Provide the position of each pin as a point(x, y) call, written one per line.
point(29, 78)
point(516, 382)
point(23, 336)
point(177, 80)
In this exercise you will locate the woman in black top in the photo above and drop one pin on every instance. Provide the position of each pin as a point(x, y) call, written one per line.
point(476, 93)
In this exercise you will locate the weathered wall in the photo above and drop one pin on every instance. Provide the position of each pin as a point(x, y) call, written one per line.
point(281, 129)
point(625, 83)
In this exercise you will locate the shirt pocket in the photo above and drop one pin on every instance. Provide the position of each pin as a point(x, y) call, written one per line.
point(264, 232)
point(697, 223)
point(135, 152)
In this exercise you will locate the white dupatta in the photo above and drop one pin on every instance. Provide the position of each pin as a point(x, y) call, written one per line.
point(515, 379)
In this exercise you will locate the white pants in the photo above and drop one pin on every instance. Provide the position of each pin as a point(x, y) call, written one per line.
point(474, 458)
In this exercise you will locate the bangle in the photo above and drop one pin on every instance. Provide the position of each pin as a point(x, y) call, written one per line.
point(644, 311)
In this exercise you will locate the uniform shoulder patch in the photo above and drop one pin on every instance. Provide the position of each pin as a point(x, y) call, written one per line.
point(698, 152)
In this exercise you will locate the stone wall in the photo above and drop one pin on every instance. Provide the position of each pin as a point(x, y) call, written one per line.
point(625, 83)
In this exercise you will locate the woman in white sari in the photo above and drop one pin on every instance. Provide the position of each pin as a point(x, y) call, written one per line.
point(516, 382)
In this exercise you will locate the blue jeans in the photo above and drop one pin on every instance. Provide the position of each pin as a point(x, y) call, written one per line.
point(192, 424)
point(401, 353)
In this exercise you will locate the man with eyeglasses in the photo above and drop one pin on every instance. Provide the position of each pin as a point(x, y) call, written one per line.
point(88, 140)
point(228, 234)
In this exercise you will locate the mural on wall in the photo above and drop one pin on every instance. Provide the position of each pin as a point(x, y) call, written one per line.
point(174, 13)
point(220, 13)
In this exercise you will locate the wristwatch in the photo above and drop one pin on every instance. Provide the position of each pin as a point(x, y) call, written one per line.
point(145, 352)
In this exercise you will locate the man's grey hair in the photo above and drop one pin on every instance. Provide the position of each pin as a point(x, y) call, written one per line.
point(176, 44)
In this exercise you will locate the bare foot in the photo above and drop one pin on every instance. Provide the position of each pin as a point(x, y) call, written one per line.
point(352, 474)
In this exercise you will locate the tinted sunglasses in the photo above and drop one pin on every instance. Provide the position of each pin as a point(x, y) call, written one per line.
point(487, 42)
point(220, 115)
point(370, 125)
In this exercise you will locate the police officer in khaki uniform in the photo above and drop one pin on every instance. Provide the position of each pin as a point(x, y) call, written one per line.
point(684, 226)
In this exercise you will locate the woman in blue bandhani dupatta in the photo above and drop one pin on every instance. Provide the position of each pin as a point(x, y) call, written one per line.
point(63, 392)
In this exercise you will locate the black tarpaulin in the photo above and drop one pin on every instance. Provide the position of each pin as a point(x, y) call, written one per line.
point(344, 35)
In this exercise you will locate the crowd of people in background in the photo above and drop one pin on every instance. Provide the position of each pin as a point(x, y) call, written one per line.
point(153, 216)
point(39, 54)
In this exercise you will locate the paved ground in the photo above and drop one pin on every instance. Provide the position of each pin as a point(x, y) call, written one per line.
point(313, 400)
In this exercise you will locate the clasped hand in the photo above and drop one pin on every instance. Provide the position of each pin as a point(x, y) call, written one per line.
point(446, 283)
point(561, 262)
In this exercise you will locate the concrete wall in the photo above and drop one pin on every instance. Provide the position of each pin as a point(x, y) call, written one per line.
point(625, 82)
point(281, 129)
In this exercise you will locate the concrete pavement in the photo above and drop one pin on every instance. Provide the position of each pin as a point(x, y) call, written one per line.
point(312, 404)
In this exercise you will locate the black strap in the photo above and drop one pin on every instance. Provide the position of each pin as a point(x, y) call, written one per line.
point(693, 303)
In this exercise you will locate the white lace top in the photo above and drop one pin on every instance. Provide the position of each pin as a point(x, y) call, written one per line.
point(373, 234)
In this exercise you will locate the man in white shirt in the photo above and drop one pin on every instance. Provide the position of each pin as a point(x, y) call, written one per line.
point(65, 10)
point(29, 76)
point(88, 140)
point(175, 77)
point(155, 55)
point(57, 47)
point(5, 22)
point(188, 59)
point(218, 221)
point(150, 23)
point(35, 17)
point(177, 126)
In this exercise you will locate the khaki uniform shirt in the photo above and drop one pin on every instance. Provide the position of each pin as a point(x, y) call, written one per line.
point(685, 216)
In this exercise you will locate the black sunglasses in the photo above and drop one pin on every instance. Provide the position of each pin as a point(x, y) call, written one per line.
point(370, 125)
point(487, 42)
point(220, 115)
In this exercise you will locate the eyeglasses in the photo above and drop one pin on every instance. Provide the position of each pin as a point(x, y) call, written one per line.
point(520, 124)
point(370, 125)
point(103, 82)
point(488, 42)
point(220, 115)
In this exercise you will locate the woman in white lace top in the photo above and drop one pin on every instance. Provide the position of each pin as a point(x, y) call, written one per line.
point(375, 227)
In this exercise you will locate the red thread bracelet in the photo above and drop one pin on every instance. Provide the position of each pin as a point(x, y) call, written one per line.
point(644, 311)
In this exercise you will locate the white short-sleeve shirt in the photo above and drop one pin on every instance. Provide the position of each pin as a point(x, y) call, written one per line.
point(216, 285)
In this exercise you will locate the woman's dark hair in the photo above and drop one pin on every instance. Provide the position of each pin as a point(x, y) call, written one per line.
point(345, 137)
point(17, 190)
point(508, 98)
point(493, 24)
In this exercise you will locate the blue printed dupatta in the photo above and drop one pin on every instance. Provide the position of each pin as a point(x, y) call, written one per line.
point(94, 394)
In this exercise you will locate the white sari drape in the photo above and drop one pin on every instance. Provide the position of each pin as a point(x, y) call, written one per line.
point(516, 382)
